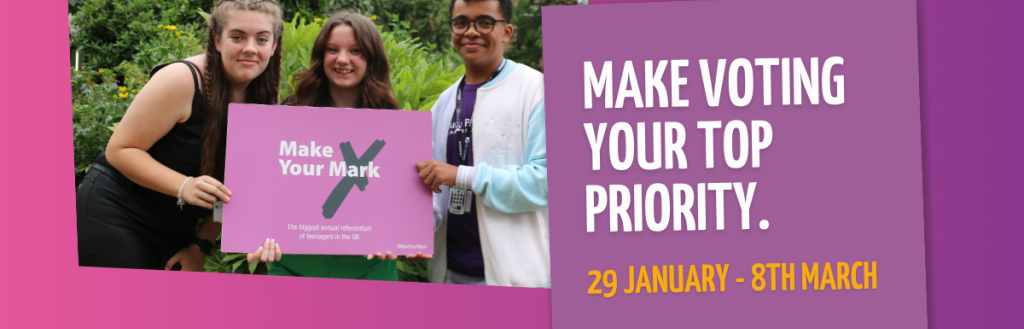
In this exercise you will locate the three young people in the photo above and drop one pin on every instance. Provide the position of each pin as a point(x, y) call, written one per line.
point(124, 217)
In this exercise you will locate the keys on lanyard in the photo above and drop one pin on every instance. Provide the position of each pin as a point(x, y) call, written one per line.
point(460, 201)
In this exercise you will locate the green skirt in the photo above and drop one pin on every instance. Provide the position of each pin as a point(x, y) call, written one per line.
point(336, 267)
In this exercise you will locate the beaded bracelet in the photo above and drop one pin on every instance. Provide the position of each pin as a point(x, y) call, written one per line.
point(181, 202)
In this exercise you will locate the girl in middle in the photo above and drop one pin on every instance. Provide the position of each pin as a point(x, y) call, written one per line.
point(348, 69)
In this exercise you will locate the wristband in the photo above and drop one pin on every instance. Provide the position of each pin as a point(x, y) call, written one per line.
point(465, 177)
point(204, 245)
point(181, 202)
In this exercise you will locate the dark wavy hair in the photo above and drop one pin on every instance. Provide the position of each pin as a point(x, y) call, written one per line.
point(261, 90)
point(312, 87)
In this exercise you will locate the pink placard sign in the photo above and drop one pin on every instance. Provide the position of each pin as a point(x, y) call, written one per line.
point(327, 180)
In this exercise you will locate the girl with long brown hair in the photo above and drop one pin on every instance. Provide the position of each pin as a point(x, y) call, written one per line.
point(348, 69)
point(163, 166)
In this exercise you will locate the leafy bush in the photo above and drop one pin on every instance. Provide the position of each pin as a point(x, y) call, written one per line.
point(418, 78)
point(96, 108)
point(412, 270)
point(174, 42)
point(310, 9)
point(298, 41)
point(429, 16)
point(429, 19)
point(220, 262)
point(403, 30)
point(108, 32)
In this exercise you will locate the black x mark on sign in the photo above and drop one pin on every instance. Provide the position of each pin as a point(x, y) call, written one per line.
point(345, 185)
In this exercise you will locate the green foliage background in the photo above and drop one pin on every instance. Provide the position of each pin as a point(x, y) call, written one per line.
point(115, 44)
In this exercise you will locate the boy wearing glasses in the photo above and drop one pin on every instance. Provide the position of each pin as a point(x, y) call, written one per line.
point(489, 171)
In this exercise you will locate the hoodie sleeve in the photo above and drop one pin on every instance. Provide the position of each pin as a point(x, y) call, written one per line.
point(515, 188)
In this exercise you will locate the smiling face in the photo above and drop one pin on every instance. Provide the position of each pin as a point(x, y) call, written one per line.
point(481, 49)
point(344, 63)
point(246, 45)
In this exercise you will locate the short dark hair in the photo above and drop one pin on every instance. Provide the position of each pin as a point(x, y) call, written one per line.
point(505, 6)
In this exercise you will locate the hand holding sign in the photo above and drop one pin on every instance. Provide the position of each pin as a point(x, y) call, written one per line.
point(436, 173)
point(203, 191)
point(419, 256)
point(269, 252)
point(388, 256)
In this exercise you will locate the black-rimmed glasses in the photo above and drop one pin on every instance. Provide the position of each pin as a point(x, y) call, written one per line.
point(482, 25)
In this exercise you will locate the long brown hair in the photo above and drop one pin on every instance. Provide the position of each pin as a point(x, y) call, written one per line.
point(261, 90)
point(312, 88)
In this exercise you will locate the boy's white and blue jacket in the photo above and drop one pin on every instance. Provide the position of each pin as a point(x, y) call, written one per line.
point(508, 176)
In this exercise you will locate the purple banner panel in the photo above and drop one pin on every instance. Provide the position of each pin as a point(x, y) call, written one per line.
point(727, 164)
point(326, 180)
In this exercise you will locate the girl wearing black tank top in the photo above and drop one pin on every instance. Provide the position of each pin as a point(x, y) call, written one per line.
point(163, 166)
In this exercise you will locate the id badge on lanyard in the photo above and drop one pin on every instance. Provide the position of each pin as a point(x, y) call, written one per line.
point(460, 201)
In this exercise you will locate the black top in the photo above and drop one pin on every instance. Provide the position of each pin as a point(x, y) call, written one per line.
point(181, 150)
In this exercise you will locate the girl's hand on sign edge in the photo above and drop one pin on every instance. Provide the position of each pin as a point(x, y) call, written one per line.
point(419, 256)
point(388, 256)
point(270, 251)
point(204, 191)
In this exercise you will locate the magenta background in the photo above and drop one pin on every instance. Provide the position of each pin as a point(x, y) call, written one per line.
point(396, 205)
point(969, 124)
point(838, 183)
point(970, 144)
